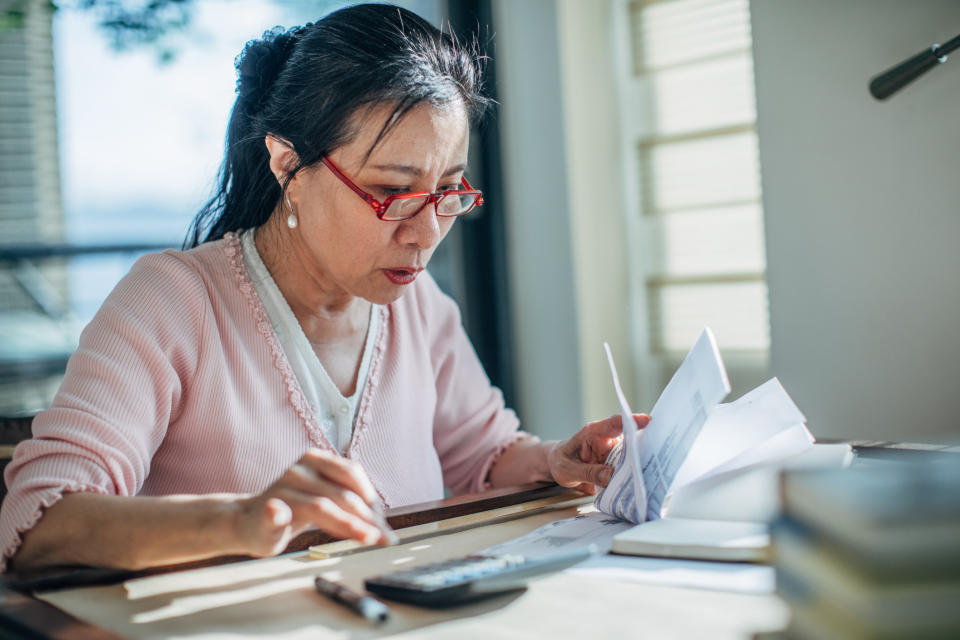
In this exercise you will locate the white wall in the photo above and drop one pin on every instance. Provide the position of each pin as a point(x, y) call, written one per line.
point(540, 263)
point(862, 205)
point(599, 233)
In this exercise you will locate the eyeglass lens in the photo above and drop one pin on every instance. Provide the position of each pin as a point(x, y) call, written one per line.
point(449, 205)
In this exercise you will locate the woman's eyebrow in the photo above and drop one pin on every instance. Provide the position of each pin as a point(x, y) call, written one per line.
point(409, 169)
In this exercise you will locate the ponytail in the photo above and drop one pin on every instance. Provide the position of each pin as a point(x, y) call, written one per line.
point(247, 191)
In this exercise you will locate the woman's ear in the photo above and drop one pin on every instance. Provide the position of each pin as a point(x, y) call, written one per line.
point(283, 159)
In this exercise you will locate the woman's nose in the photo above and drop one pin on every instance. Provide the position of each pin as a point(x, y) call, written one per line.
point(423, 230)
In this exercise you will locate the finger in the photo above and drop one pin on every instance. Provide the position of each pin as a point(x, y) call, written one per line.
point(272, 530)
point(341, 471)
point(598, 449)
point(280, 517)
point(324, 513)
point(305, 480)
point(575, 473)
point(599, 474)
point(278, 513)
point(582, 442)
point(346, 524)
point(380, 520)
point(611, 428)
point(352, 503)
point(607, 428)
point(587, 488)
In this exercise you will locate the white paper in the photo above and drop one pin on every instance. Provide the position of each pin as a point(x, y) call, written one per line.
point(648, 461)
point(749, 431)
point(568, 535)
point(746, 495)
point(751, 493)
point(718, 576)
point(625, 496)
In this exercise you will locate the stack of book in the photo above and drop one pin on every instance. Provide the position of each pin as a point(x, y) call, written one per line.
point(872, 552)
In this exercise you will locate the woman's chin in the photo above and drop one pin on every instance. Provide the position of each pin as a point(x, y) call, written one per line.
point(385, 295)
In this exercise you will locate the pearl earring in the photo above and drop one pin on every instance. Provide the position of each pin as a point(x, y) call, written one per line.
point(291, 219)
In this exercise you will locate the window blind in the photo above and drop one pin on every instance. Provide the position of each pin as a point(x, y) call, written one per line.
point(689, 108)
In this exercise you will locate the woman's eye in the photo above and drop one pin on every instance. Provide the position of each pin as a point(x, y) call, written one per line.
point(394, 191)
point(450, 187)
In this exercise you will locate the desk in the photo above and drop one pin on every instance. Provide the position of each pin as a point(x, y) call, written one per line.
point(274, 598)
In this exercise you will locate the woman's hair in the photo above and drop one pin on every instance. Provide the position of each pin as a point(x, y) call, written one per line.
point(305, 85)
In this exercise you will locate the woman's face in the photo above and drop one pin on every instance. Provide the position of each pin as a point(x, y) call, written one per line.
point(341, 244)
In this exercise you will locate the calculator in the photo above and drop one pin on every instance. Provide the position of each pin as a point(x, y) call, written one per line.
point(451, 582)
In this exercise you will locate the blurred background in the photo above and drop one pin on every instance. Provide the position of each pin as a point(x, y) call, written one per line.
point(652, 167)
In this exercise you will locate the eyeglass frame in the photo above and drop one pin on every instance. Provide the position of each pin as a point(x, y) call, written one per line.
point(380, 208)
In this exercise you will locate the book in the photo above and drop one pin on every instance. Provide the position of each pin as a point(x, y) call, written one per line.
point(871, 553)
point(826, 584)
point(897, 519)
point(697, 539)
point(698, 462)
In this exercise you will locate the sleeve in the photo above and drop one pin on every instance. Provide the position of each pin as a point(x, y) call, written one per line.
point(123, 386)
point(472, 427)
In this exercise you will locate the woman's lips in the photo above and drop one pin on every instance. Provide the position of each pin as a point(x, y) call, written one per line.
point(402, 275)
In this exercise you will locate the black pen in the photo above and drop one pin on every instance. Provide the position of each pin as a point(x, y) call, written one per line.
point(370, 608)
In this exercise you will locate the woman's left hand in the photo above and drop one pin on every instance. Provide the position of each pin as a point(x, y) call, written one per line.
point(579, 461)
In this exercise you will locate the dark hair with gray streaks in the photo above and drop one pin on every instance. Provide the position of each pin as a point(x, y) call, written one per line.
point(305, 86)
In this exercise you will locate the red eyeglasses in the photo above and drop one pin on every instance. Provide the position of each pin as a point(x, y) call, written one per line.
point(403, 206)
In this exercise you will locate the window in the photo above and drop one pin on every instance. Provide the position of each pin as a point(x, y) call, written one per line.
point(689, 120)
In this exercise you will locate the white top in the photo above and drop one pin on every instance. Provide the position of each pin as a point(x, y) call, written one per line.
point(334, 412)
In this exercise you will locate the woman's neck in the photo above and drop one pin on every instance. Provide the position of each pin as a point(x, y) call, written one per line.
point(323, 311)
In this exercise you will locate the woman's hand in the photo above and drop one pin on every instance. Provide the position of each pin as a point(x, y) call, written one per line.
point(579, 461)
point(323, 491)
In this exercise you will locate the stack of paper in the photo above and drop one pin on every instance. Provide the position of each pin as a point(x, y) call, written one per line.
point(699, 461)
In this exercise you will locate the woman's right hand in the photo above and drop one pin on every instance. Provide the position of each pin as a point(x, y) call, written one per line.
point(322, 491)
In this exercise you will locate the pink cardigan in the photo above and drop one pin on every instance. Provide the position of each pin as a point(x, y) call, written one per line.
point(180, 386)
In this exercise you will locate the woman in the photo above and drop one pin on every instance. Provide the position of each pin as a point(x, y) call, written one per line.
point(297, 368)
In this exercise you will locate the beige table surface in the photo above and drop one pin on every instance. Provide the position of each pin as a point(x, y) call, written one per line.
point(275, 598)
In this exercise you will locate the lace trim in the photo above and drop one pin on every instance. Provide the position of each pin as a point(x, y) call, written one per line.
point(294, 392)
point(49, 498)
point(373, 379)
point(518, 436)
point(295, 395)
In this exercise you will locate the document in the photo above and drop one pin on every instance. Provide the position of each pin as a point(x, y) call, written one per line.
point(646, 462)
point(761, 427)
point(594, 529)
point(708, 469)
point(700, 481)
point(589, 529)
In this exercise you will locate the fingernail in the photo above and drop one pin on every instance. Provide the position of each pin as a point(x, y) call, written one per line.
point(388, 534)
point(605, 476)
point(391, 537)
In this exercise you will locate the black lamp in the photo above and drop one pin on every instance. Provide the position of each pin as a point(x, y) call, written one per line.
point(896, 77)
